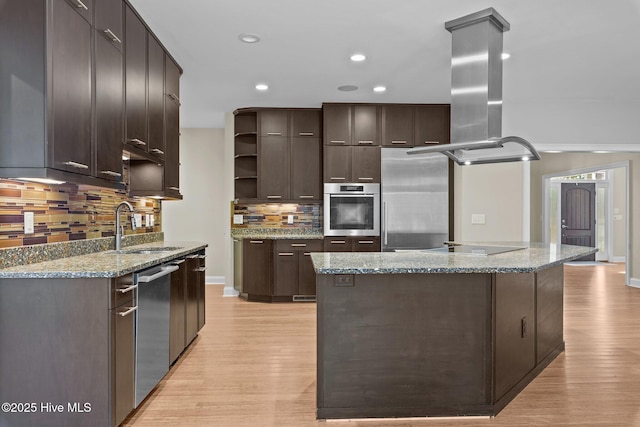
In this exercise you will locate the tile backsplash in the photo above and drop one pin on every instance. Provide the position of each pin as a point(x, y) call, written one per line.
point(275, 215)
point(65, 212)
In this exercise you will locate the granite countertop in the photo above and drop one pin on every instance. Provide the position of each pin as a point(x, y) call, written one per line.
point(276, 233)
point(101, 264)
point(535, 257)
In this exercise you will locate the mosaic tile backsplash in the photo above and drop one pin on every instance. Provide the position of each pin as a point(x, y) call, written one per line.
point(65, 212)
point(275, 215)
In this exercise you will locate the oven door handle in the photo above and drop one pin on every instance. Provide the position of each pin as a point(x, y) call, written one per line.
point(353, 195)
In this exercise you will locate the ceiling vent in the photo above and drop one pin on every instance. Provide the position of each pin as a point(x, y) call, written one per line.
point(476, 95)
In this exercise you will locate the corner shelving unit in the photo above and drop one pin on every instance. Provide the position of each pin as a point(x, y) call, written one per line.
point(246, 154)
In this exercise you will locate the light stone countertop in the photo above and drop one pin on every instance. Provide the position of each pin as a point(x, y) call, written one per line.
point(276, 233)
point(535, 257)
point(101, 264)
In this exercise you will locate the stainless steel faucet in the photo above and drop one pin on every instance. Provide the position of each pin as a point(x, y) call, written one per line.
point(119, 228)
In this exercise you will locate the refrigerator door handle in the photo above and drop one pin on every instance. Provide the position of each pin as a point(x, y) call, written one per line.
point(384, 220)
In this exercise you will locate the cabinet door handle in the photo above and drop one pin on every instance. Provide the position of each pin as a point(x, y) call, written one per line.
point(285, 254)
point(80, 5)
point(432, 142)
point(201, 269)
point(127, 289)
point(177, 262)
point(174, 188)
point(174, 97)
point(137, 141)
point(333, 141)
point(274, 133)
point(365, 142)
point(306, 133)
point(76, 165)
point(306, 197)
point(298, 245)
point(128, 312)
point(112, 36)
point(274, 197)
point(110, 173)
point(202, 256)
point(257, 242)
point(307, 254)
point(365, 179)
point(338, 242)
point(337, 178)
point(365, 242)
point(399, 142)
point(157, 151)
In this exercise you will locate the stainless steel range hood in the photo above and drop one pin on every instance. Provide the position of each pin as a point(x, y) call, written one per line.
point(476, 95)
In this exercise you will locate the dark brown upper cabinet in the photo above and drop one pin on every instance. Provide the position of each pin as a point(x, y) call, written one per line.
point(108, 21)
point(432, 124)
point(278, 154)
point(70, 101)
point(273, 122)
point(109, 102)
point(274, 168)
point(83, 7)
point(136, 80)
point(172, 128)
point(306, 123)
point(350, 124)
point(351, 164)
point(397, 125)
point(156, 97)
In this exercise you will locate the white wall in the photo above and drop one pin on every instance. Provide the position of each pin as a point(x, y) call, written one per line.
point(203, 214)
point(494, 190)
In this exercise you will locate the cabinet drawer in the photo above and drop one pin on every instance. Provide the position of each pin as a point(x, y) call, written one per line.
point(122, 290)
point(299, 245)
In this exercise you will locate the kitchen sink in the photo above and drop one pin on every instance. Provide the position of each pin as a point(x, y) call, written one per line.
point(143, 251)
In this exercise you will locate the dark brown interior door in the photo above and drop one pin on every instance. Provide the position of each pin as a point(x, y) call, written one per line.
point(578, 215)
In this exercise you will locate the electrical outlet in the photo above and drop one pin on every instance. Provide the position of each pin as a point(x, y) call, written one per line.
point(290, 219)
point(153, 219)
point(138, 219)
point(28, 223)
point(477, 219)
point(147, 220)
point(237, 219)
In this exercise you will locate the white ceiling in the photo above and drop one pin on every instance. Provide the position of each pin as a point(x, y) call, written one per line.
point(573, 76)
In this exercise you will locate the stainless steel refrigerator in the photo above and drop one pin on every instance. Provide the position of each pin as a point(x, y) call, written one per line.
point(415, 200)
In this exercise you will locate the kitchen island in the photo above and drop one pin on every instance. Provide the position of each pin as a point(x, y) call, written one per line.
point(425, 333)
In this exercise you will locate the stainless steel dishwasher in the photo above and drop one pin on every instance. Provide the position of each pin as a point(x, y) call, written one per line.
point(152, 328)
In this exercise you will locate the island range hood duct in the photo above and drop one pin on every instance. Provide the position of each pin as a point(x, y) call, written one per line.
point(476, 95)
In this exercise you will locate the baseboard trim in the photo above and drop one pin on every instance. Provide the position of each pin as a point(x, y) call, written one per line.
point(634, 283)
point(229, 291)
point(618, 259)
point(215, 280)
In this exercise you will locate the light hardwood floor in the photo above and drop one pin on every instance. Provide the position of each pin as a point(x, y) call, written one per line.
point(253, 364)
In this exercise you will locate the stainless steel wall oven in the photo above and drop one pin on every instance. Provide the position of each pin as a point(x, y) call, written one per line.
point(352, 209)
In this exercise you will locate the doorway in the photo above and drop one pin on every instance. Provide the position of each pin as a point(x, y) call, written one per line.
point(606, 187)
point(578, 215)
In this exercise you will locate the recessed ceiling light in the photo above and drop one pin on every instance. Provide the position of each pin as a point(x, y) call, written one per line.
point(379, 88)
point(358, 57)
point(249, 38)
point(347, 88)
point(505, 55)
point(262, 86)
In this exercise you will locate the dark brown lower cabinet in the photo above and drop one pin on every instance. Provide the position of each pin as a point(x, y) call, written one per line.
point(254, 263)
point(201, 290)
point(192, 291)
point(177, 315)
point(123, 339)
point(294, 276)
point(352, 244)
